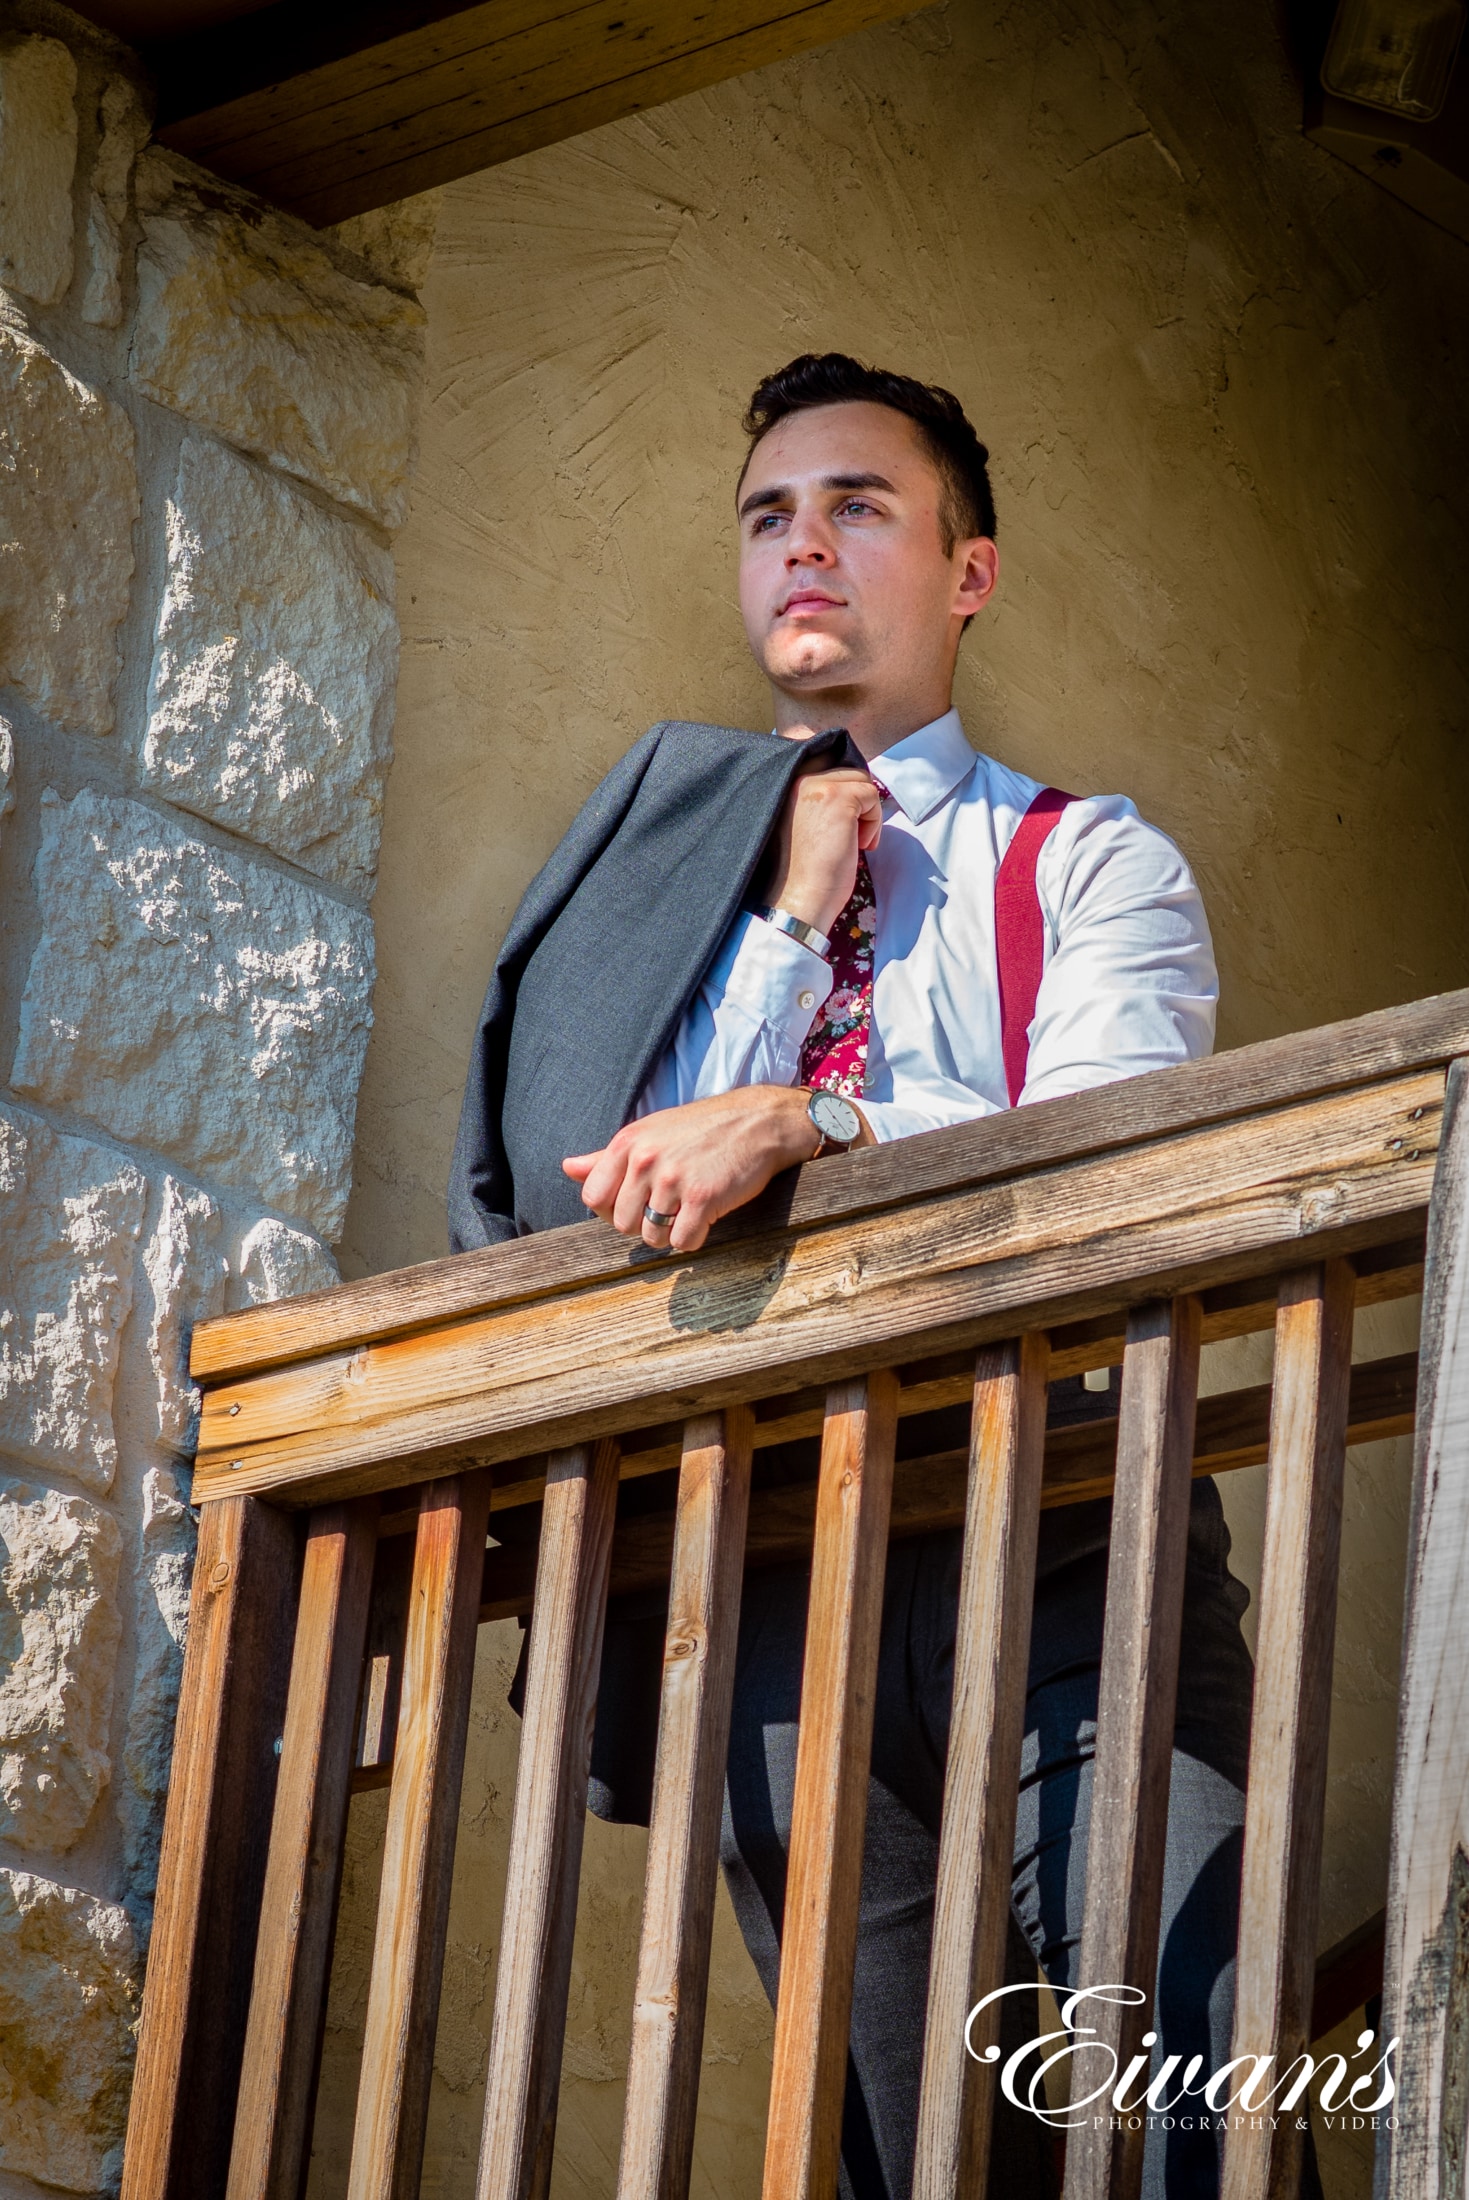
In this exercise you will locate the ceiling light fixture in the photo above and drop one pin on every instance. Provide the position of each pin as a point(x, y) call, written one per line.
point(1395, 55)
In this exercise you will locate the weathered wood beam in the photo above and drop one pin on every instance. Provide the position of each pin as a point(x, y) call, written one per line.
point(298, 1905)
point(1136, 1692)
point(1304, 1065)
point(533, 1977)
point(1384, 1272)
point(818, 1938)
point(1187, 1212)
point(663, 2064)
point(982, 1773)
point(232, 1703)
point(1427, 1953)
point(333, 112)
point(1285, 1801)
point(418, 1844)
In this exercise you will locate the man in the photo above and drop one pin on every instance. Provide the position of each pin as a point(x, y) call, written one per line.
point(850, 995)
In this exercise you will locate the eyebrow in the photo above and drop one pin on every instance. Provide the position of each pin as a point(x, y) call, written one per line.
point(782, 492)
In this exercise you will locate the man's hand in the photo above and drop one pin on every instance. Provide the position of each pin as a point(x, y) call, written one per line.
point(828, 817)
point(697, 1162)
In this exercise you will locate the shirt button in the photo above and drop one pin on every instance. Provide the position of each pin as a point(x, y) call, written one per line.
point(808, 1000)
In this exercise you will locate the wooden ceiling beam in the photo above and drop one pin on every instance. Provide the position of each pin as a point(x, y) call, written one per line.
point(334, 112)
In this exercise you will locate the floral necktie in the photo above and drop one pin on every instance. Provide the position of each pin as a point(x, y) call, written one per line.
point(834, 1056)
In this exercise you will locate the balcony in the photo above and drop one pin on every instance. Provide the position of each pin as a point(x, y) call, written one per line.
point(384, 1466)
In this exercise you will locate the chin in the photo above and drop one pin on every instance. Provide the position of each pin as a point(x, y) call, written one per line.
point(809, 666)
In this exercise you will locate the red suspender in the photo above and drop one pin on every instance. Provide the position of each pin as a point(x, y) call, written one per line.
point(1020, 937)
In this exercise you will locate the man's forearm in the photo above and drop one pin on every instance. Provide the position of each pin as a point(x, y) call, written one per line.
point(698, 1162)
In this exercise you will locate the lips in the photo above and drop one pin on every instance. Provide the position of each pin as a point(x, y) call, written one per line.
point(809, 599)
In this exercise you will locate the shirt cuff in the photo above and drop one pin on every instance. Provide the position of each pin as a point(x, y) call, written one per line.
point(889, 1119)
point(776, 979)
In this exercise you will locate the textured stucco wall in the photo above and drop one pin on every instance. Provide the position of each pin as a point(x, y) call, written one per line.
point(1221, 377)
point(206, 424)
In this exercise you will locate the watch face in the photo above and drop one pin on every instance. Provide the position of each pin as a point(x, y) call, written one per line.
point(835, 1117)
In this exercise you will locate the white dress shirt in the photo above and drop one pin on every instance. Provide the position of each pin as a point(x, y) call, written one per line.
point(1129, 982)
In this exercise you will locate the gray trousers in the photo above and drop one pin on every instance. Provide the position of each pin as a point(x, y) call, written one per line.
point(1194, 2001)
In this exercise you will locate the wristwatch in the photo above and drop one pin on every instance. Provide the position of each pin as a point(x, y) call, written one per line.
point(796, 928)
point(837, 1121)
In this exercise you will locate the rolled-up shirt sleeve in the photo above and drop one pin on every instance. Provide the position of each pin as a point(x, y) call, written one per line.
point(1131, 984)
point(747, 1023)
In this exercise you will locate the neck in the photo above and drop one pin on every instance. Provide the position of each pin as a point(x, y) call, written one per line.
point(874, 724)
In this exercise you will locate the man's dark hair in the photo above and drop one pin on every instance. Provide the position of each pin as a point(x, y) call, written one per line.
point(966, 506)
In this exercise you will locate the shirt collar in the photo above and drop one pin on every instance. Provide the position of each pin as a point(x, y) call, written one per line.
point(922, 770)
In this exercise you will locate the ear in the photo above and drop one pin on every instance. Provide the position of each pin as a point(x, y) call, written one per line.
point(976, 571)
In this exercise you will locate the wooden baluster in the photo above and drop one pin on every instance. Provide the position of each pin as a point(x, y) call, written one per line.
point(688, 1797)
point(534, 1973)
point(1138, 1692)
point(1286, 1796)
point(977, 1837)
point(215, 1834)
point(1427, 1956)
point(297, 1912)
point(829, 1814)
point(418, 1850)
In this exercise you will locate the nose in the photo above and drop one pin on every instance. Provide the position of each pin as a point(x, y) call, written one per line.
point(809, 541)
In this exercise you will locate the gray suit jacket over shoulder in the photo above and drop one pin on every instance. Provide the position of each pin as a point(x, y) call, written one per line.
point(606, 950)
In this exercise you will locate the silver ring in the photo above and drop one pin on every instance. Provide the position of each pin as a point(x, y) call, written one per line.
point(659, 1222)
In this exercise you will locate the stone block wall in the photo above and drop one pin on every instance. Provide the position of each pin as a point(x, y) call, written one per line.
point(206, 426)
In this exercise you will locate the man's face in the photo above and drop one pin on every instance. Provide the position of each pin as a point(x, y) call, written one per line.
point(844, 580)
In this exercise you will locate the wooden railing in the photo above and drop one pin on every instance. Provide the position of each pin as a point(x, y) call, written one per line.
point(358, 1447)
